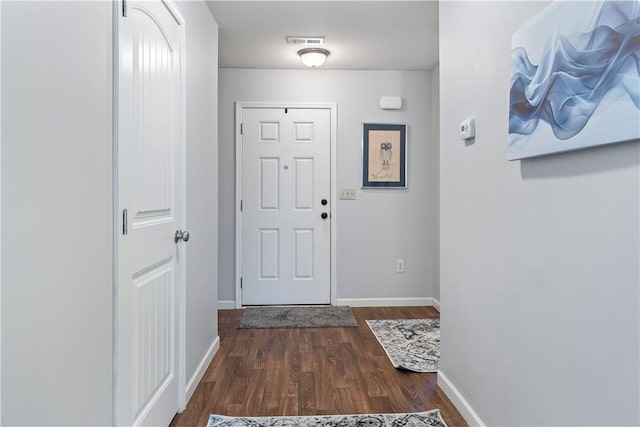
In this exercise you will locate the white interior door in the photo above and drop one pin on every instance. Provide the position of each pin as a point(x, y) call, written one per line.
point(286, 203)
point(149, 171)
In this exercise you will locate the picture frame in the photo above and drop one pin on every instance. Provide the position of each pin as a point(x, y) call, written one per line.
point(384, 155)
point(573, 78)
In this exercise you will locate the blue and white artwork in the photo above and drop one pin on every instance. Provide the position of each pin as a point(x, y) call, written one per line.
point(575, 78)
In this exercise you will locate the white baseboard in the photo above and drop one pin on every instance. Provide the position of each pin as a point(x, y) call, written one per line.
point(385, 302)
point(226, 305)
point(365, 302)
point(458, 400)
point(202, 368)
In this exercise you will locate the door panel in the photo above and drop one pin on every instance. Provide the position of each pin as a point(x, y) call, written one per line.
point(303, 253)
point(286, 174)
point(269, 184)
point(303, 184)
point(149, 159)
point(269, 254)
point(152, 332)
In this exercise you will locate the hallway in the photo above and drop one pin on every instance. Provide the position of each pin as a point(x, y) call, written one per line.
point(309, 371)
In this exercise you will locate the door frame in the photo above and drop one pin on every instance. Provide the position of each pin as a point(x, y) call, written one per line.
point(333, 132)
point(181, 207)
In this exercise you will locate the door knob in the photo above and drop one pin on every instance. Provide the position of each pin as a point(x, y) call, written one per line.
point(324, 215)
point(181, 235)
point(324, 202)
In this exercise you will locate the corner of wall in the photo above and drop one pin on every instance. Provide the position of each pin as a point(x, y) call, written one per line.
point(459, 401)
point(200, 370)
point(435, 164)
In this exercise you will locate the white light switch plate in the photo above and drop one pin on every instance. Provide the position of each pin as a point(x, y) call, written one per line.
point(347, 194)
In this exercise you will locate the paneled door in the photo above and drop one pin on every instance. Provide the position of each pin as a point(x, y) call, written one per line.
point(286, 206)
point(150, 257)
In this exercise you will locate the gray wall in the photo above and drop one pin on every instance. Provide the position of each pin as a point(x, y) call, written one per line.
point(56, 213)
point(202, 180)
point(539, 258)
point(381, 225)
point(57, 279)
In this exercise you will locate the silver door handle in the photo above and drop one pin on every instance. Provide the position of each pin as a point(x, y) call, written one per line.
point(181, 235)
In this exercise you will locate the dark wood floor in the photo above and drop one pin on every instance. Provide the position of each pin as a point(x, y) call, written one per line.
point(311, 371)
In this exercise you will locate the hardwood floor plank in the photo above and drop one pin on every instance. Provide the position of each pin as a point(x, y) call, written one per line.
point(375, 386)
point(307, 394)
point(312, 371)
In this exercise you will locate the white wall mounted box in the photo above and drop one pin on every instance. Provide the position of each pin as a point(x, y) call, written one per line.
point(390, 102)
point(468, 128)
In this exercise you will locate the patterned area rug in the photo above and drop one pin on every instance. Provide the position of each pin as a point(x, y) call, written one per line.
point(419, 419)
point(411, 344)
point(297, 317)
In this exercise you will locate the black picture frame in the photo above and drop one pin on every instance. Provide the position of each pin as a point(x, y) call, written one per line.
point(384, 155)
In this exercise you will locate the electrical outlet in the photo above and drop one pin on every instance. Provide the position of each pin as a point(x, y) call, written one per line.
point(347, 194)
point(399, 265)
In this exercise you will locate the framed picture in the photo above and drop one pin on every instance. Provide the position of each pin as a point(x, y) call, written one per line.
point(384, 156)
point(575, 78)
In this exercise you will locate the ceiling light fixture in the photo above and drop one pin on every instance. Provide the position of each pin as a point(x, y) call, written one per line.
point(313, 56)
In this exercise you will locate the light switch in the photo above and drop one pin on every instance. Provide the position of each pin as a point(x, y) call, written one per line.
point(347, 194)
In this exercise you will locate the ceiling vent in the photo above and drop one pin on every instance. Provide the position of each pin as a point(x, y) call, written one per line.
point(306, 41)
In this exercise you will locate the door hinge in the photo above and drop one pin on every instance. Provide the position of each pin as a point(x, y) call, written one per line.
point(241, 283)
point(124, 8)
point(240, 205)
point(125, 231)
point(241, 128)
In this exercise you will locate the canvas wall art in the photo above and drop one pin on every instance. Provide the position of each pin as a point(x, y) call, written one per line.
point(575, 78)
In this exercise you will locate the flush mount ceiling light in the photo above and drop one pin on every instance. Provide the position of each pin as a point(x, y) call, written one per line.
point(313, 56)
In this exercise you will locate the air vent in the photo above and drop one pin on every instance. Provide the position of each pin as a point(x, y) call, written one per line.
point(306, 41)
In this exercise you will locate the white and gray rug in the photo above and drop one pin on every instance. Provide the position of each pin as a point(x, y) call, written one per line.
point(297, 317)
point(418, 419)
point(411, 344)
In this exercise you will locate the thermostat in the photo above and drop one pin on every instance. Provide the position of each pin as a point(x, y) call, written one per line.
point(468, 129)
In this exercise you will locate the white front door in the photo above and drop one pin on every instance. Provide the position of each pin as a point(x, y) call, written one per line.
point(149, 189)
point(286, 203)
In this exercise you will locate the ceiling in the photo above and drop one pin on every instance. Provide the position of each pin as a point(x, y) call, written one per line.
point(361, 35)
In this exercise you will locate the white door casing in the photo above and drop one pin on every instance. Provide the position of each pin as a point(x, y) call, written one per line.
point(149, 355)
point(285, 176)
